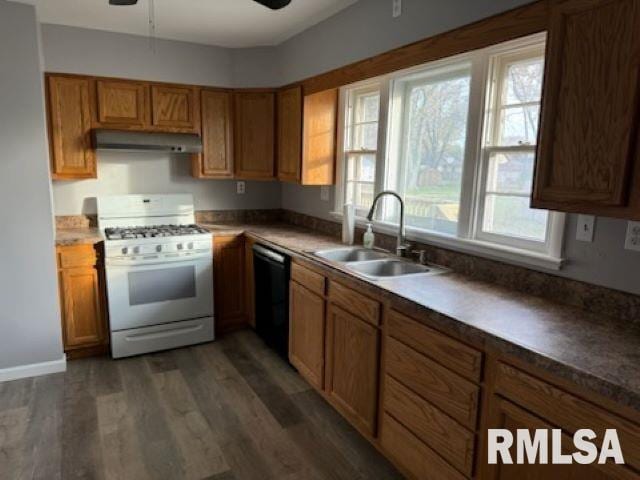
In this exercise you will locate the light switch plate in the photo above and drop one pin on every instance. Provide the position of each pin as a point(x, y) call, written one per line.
point(396, 8)
point(324, 193)
point(240, 188)
point(632, 240)
point(585, 228)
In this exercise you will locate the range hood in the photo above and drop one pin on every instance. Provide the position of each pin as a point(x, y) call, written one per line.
point(146, 142)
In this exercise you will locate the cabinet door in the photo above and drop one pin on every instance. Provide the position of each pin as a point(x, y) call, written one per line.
point(590, 107)
point(175, 108)
point(249, 283)
point(254, 135)
point(319, 138)
point(83, 322)
point(70, 127)
point(228, 261)
point(507, 415)
point(216, 159)
point(306, 334)
point(352, 368)
point(289, 134)
point(122, 104)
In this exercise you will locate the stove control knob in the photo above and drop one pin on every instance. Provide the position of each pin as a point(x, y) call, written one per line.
point(180, 246)
point(125, 250)
point(136, 250)
point(158, 248)
point(190, 245)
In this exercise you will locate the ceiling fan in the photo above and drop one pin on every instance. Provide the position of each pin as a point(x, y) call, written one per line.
point(272, 4)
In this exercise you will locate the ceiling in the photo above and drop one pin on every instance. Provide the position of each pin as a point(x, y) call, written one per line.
point(227, 23)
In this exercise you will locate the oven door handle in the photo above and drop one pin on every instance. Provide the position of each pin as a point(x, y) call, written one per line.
point(157, 260)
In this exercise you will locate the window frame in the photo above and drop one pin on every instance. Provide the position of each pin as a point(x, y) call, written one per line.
point(389, 153)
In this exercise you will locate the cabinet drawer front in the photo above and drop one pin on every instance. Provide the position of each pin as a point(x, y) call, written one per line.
point(76, 256)
point(307, 278)
point(446, 390)
point(356, 303)
point(412, 455)
point(565, 410)
point(455, 355)
point(444, 435)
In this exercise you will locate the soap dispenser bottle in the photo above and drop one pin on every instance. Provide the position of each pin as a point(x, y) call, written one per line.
point(368, 238)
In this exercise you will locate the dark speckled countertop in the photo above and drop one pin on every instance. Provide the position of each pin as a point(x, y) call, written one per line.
point(591, 350)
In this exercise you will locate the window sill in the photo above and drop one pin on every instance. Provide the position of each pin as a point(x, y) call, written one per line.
point(492, 251)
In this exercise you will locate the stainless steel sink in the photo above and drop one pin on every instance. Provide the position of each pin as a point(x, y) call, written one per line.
point(351, 254)
point(390, 268)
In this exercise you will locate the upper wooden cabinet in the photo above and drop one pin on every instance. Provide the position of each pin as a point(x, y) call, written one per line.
point(216, 160)
point(289, 134)
point(307, 136)
point(122, 104)
point(69, 127)
point(254, 119)
point(588, 149)
point(175, 108)
point(320, 117)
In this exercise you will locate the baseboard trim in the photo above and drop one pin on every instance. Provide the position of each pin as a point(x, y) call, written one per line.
point(33, 369)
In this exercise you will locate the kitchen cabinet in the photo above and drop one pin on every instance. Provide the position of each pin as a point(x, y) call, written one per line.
point(320, 118)
point(307, 327)
point(175, 108)
point(69, 115)
point(249, 282)
point(289, 134)
point(122, 104)
point(84, 326)
point(254, 122)
point(216, 159)
point(229, 282)
point(588, 154)
point(351, 380)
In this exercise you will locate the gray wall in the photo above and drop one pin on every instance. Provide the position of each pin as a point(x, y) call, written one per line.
point(367, 28)
point(94, 52)
point(29, 317)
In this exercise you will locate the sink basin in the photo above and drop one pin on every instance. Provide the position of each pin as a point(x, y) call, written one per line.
point(390, 268)
point(353, 254)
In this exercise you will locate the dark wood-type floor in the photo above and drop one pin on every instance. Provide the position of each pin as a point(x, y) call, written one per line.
point(226, 410)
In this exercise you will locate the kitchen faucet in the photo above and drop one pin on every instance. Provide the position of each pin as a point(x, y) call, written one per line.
point(401, 248)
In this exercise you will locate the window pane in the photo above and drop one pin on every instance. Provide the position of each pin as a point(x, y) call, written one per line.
point(368, 107)
point(523, 82)
point(506, 215)
point(360, 195)
point(433, 151)
point(519, 125)
point(361, 167)
point(364, 137)
point(510, 172)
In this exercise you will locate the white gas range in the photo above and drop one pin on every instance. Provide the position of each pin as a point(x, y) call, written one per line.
point(159, 269)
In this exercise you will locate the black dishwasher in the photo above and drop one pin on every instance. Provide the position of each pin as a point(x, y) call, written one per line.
point(271, 285)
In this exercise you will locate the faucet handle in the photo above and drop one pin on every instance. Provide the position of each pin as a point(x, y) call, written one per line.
point(403, 251)
point(420, 255)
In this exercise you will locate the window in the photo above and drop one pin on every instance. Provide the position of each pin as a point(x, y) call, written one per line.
point(456, 138)
point(361, 146)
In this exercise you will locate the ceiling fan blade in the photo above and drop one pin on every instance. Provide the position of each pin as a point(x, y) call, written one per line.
point(123, 2)
point(274, 4)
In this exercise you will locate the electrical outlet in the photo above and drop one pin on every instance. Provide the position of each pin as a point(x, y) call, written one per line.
point(396, 9)
point(240, 188)
point(632, 240)
point(585, 228)
point(324, 193)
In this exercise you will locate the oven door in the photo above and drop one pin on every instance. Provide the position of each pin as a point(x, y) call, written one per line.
point(142, 294)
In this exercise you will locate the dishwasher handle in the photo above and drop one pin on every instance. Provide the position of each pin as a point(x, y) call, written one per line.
point(269, 254)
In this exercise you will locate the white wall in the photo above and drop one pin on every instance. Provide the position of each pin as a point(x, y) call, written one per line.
point(29, 313)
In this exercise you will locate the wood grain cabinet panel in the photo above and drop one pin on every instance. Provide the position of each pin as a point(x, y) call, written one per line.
point(289, 134)
point(254, 119)
point(122, 104)
point(249, 282)
point(589, 131)
point(82, 300)
point(175, 108)
point(308, 278)
point(307, 334)
point(216, 159)
point(69, 112)
point(354, 302)
point(228, 282)
point(320, 119)
point(352, 370)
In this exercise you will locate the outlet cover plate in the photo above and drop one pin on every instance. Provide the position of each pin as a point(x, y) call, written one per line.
point(324, 193)
point(585, 228)
point(632, 239)
point(396, 8)
point(240, 188)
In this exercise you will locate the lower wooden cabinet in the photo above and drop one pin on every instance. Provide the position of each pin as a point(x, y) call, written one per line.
point(229, 282)
point(306, 333)
point(353, 348)
point(84, 325)
point(249, 282)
